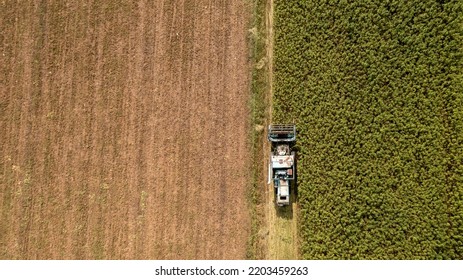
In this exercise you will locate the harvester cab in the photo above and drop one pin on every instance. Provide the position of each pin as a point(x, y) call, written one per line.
point(282, 166)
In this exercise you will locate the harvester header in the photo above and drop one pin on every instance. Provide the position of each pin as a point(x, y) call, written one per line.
point(282, 133)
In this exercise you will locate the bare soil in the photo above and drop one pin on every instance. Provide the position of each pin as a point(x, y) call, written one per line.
point(123, 128)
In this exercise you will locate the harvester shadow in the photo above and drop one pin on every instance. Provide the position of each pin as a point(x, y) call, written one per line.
point(286, 212)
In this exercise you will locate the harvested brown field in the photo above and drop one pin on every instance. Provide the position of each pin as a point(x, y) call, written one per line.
point(124, 129)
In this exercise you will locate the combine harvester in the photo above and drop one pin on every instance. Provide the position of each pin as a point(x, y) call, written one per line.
point(282, 166)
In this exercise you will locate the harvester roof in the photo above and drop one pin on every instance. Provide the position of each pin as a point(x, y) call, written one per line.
point(282, 161)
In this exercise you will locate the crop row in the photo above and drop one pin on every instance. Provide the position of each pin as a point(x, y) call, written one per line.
point(375, 88)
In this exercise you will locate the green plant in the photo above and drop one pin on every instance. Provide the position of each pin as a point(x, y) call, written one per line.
point(375, 88)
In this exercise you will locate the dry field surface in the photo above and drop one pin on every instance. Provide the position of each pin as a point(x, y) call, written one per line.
point(123, 129)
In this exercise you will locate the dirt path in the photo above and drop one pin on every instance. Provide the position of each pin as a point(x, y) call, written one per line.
point(281, 222)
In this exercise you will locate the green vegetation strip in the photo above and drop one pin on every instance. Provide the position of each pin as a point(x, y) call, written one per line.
point(259, 114)
point(376, 90)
